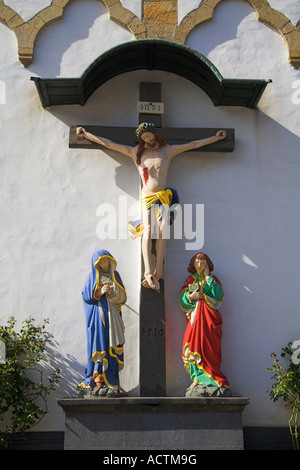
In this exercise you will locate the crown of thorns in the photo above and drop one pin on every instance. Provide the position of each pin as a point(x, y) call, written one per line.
point(145, 127)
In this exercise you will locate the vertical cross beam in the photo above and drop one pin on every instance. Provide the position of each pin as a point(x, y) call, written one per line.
point(152, 303)
point(150, 92)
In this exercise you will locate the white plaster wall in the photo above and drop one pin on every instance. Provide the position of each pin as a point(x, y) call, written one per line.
point(50, 196)
point(29, 8)
point(251, 208)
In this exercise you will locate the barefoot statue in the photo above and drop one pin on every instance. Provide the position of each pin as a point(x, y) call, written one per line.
point(200, 298)
point(103, 296)
point(152, 157)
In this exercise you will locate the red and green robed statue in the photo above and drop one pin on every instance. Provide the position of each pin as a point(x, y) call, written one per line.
point(201, 349)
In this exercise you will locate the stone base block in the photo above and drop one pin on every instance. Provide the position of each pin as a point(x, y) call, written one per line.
point(166, 423)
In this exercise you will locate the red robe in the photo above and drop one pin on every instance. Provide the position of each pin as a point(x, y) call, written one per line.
point(202, 339)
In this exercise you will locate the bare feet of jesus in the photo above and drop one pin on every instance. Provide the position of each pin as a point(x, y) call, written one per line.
point(151, 282)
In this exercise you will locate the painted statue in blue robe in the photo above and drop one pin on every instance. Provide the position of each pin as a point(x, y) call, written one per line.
point(103, 296)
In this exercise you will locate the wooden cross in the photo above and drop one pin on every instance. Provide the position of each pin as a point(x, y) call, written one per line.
point(151, 93)
point(173, 136)
point(152, 303)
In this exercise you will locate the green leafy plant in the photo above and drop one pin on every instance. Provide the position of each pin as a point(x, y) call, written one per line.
point(287, 385)
point(22, 385)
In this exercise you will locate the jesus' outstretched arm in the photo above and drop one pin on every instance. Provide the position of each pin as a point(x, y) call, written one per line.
point(124, 149)
point(194, 144)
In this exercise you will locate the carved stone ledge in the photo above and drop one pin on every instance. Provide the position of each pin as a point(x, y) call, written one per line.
point(164, 423)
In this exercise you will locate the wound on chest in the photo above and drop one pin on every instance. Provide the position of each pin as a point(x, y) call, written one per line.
point(145, 175)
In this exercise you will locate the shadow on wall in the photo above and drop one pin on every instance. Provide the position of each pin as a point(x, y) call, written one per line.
point(251, 212)
point(55, 40)
point(71, 371)
point(251, 219)
point(228, 18)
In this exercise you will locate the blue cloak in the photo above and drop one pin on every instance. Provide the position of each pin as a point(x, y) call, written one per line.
point(104, 326)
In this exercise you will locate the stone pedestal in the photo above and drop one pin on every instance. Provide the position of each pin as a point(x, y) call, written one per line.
point(141, 423)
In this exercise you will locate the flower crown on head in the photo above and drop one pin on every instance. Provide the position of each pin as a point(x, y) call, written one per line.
point(145, 127)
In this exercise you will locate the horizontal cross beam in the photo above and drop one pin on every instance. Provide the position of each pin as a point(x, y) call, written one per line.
point(173, 136)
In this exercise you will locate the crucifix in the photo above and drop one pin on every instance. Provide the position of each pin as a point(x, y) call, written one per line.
point(152, 154)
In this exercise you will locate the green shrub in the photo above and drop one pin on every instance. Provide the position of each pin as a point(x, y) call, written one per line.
point(22, 385)
point(287, 385)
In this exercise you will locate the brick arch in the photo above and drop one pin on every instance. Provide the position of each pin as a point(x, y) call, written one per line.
point(27, 32)
point(265, 13)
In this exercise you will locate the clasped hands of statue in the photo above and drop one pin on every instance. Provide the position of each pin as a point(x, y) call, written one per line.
point(105, 289)
point(196, 295)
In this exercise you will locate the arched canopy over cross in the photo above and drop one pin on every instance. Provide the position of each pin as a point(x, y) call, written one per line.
point(152, 54)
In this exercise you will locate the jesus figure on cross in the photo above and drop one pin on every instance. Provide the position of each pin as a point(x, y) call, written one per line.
point(152, 157)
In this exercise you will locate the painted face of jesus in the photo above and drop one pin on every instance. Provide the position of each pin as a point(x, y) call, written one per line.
point(149, 138)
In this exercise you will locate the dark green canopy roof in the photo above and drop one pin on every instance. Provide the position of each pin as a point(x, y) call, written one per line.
point(151, 54)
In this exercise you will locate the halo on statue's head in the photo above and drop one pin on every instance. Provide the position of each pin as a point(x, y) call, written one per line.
point(145, 127)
